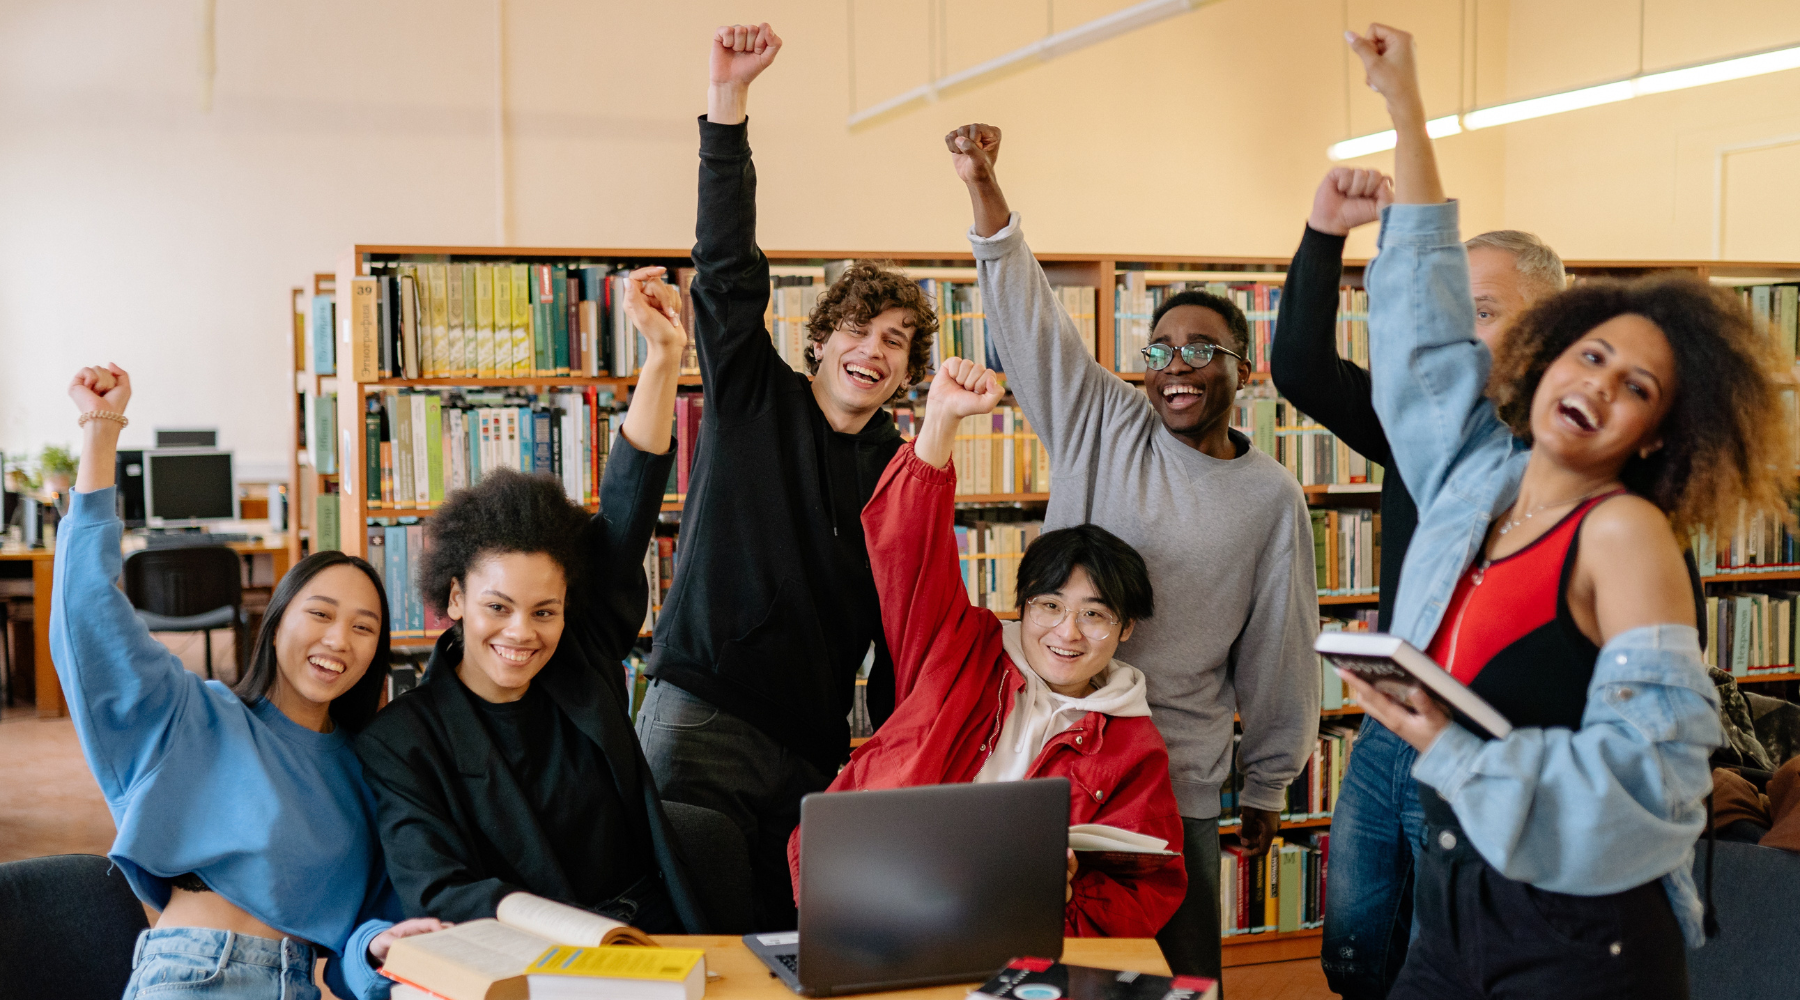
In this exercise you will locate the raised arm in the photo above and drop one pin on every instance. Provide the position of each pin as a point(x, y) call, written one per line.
point(909, 525)
point(1429, 371)
point(1068, 396)
point(738, 361)
point(1303, 360)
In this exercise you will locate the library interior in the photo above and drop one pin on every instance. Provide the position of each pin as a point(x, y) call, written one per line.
point(385, 614)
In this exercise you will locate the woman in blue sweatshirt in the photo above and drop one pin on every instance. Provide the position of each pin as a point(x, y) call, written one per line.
point(242, 813)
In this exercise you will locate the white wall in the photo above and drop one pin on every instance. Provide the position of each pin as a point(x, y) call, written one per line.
point(140, 228)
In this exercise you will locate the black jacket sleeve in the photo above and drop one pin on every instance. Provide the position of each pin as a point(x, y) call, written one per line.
point(1304, 362)
point(631, 494)
point(739, 365)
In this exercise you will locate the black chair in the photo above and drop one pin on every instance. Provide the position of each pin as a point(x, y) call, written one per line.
point(189, 589)
point(68, 926)
point(1754, 894)
point(719, 860)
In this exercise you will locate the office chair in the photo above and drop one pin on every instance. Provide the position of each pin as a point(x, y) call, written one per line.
point(1754, 889)
point(719, 859)
point(189, 589)
point(68, 926)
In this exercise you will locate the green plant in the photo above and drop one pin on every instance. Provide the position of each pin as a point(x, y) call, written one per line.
point(56, 460)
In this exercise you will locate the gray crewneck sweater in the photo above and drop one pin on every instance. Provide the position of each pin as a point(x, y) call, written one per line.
point(1228, 544)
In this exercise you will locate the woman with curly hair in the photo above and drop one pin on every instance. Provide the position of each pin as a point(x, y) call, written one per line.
point(1547, 575)
point(512, 767)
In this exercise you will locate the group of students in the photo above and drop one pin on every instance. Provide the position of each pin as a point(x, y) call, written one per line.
point(1546, 449)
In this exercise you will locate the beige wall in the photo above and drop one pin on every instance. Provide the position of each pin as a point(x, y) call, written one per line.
point(143, 229)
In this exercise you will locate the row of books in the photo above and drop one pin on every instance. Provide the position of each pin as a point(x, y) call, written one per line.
point(994, 453)
point(1282, 891)
point(1333, 694)
point(1347, 550)
point(1750, 634)
point(1778, 306)
point(1759, 544)
point(1313, 793)
point(989, 552)
point(1303, 446)
point(397, 551)
point(1353, 325)
point(1135, 301)
point(497, 320)
point(421, 445)
point(659, 569)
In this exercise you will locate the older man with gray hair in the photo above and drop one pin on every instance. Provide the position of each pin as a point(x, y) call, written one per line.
point(1377, 821)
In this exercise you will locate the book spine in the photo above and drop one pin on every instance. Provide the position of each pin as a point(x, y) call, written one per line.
point(365, 330)
point(434, 440)
point(521, 320)
point(484, 320)
point(558, 300)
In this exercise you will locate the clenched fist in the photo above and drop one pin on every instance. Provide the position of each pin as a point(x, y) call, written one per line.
point(1348, 198)
point(973, 151)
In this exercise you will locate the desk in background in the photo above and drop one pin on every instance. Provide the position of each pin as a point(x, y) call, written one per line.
point(49, 691)
point(743, 976)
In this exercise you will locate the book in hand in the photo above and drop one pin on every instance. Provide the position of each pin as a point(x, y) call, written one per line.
point(1118, 852)
point(1395, 667)
point(1043, 979)
point(565, 973)
point(487, 959)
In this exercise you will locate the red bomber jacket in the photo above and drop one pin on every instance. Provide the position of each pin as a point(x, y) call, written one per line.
point(954, 685)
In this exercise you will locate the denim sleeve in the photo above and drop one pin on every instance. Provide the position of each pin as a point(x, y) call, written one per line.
point(1612, 805)
point(1429, 371)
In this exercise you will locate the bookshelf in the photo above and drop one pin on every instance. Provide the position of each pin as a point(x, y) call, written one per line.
point(304, 481)
point(1112, 276)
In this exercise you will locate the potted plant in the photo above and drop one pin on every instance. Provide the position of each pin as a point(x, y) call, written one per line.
point(57, 467)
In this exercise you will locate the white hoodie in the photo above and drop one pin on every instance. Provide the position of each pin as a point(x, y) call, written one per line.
point(1041, 713)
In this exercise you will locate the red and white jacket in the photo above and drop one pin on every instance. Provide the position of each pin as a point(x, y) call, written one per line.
point(955, 684)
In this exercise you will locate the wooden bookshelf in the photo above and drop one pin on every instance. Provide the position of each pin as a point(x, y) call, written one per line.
point(305, 482)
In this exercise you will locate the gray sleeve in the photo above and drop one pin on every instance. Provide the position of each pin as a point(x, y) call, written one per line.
point(1276, 670)
point(1073, 402)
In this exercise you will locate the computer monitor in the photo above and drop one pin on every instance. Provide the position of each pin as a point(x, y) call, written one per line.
point(188, 486)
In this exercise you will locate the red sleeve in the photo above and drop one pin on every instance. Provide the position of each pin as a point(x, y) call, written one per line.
point(909, 527)
point(1106, 905)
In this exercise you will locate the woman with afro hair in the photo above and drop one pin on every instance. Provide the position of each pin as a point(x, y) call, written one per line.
point(513, 766)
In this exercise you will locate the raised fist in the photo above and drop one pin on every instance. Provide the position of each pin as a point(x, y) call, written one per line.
point(964, 389)
point(654, 306)
point(1388, 66)
point(973, 151)
point(102, 387)
point(740, 52)
point(1348, 198)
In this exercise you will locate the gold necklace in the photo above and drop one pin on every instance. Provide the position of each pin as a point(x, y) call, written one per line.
point(1512, 523)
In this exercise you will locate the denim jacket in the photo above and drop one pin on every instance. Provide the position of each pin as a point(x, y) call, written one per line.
point(1592, 811)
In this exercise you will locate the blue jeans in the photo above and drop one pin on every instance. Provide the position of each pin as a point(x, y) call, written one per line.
point(1376, 826)
point(198, 962)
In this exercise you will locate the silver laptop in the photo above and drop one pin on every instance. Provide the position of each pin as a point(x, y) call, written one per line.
point(922, 886)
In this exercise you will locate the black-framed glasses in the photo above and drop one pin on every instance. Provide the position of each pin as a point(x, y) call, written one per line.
point(1158, 356)
point(1048, 612)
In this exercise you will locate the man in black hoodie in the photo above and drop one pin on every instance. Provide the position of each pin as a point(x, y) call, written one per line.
point(774, 608)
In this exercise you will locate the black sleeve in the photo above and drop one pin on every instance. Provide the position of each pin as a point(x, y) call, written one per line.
point(738, 361)
point(631, 494)
point(1304, 362)
point(428, 858)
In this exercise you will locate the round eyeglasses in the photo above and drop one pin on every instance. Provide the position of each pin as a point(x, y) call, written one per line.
point(1158, 356)
point(1048, 612)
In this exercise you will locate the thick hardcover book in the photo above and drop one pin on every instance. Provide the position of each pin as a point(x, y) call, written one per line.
point(559, 319)
point(1395, 666)
point(1043, 979)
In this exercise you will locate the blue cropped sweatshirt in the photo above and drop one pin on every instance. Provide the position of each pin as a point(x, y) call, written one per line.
point(1591, 811)
point(273, 816)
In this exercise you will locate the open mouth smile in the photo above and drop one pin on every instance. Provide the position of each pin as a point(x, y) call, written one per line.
point(512, 655)
point(862, 375)
point(1182, 396)
point(1578, 414)
point(330, 668)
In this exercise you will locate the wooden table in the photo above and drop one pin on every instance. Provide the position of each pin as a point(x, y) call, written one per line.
point(743, 976)
point(49, 690)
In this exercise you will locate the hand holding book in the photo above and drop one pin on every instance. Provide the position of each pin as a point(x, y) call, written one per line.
point(1417, 719)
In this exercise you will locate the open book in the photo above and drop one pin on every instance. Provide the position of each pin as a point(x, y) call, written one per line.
point(1118, 852)
point(1396, 667)
point(487, 959)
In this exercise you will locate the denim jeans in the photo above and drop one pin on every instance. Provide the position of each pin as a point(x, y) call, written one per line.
point(198, 962)
point(1377, 826)
point(705, 756)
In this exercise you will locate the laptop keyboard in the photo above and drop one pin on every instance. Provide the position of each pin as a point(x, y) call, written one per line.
point(791, 961)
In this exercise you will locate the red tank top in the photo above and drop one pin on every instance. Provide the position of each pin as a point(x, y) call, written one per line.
point(1502, 604)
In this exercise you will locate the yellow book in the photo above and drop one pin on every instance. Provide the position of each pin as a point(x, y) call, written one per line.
point(521, 319)
point(484, 320)
point(459, 364)
point(440, 321)
point(503, 339)
point(640, 973)
point(471, 322)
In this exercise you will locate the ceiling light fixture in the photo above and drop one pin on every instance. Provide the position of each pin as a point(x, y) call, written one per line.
point(1735, 68)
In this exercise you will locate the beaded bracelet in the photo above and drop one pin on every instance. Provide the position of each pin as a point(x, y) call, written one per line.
point(119, 418)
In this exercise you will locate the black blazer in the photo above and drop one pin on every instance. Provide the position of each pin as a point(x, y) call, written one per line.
point(456, 830)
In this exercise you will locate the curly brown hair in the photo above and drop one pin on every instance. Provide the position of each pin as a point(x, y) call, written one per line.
point(866, 290)
point(1727, 445)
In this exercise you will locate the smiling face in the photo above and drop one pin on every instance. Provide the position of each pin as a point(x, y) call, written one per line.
point(1065, 657)
point(860, 369)
point(1500, 291)
point(1194, 403)
point(511, 608)
point(1604, 399)
point(325, 642)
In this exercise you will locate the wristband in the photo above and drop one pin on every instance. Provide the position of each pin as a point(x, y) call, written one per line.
point(118, 418)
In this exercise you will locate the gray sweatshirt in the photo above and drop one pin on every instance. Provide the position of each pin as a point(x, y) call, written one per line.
point(1228, 544)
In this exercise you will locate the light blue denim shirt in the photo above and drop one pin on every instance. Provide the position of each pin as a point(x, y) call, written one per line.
point(1592, 811)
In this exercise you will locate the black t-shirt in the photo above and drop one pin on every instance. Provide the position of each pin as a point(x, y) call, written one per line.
point(572, 794)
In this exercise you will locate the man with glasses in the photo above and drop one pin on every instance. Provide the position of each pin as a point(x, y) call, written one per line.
point(1222, 527)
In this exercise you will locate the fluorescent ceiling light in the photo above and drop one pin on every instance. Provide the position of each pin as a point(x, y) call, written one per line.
point(1736, 68)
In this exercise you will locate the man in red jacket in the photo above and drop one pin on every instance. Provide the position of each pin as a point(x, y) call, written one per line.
point(978, 699)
